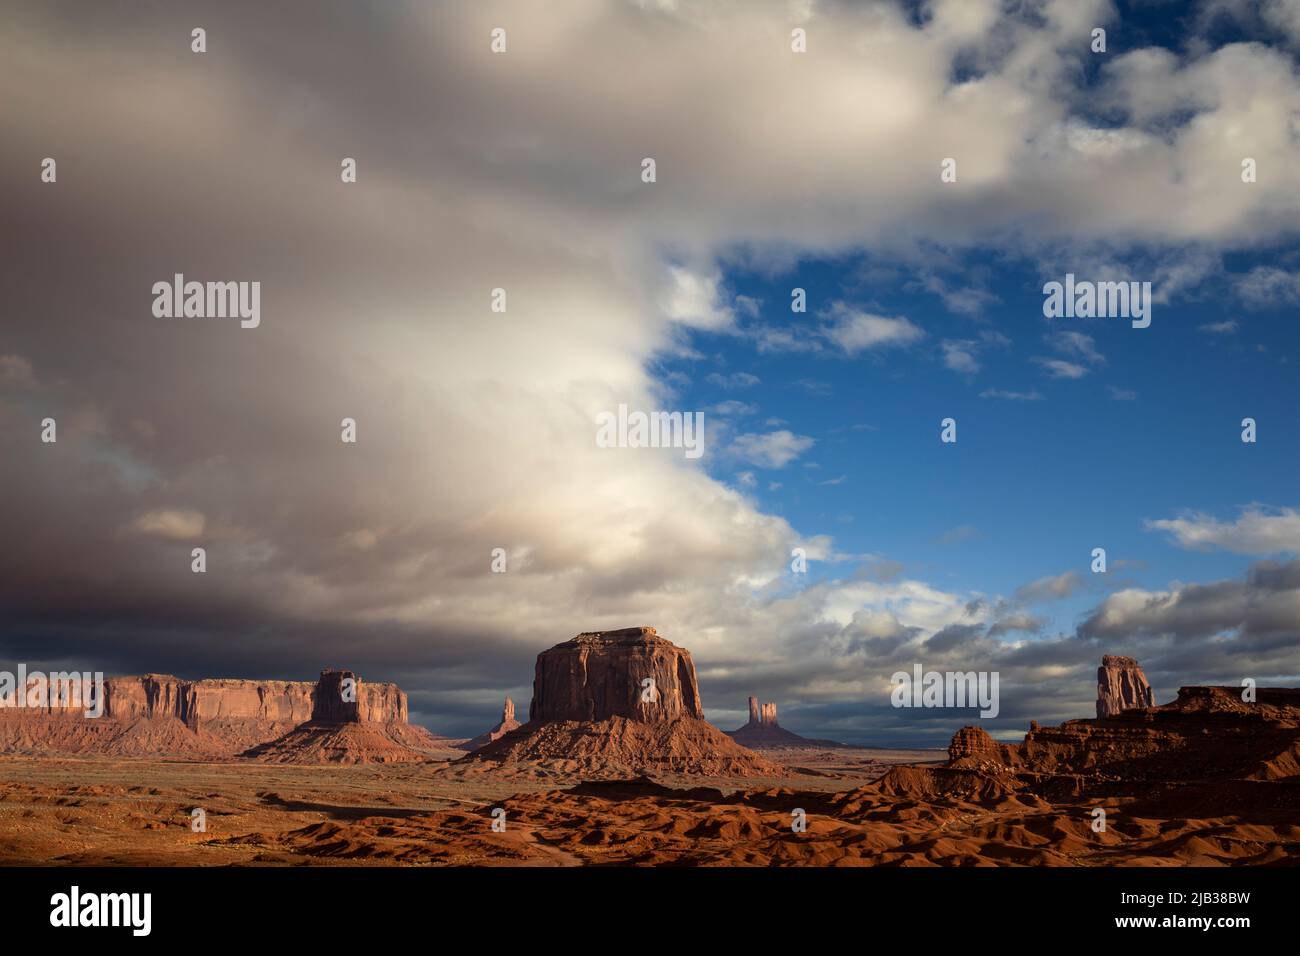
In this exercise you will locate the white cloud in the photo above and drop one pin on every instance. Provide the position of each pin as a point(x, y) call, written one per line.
point(963, 300)
point(733, 380)
point(772, 450)
point(855, 331)
point(1257, 530)
point(1285, 16)
point(1076, 345)
point(769, 339)
point(695, 299)
point(749, 305)
point(732, 407)
point(959, 355)
point(1267, 287)
point(1052, 588)
point(1059, 368)
point(962, 355)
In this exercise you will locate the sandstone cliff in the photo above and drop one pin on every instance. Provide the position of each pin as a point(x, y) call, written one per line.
point(156, 696)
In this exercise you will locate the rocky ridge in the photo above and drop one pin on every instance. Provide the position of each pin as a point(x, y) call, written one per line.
point(1207, 745)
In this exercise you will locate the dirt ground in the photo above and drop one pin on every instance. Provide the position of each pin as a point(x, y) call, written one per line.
point(68, 811)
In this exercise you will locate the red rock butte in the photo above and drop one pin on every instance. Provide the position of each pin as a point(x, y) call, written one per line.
point(601, 674)
point(621, 702)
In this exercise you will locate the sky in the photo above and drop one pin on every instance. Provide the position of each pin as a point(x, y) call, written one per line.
point(774, 170)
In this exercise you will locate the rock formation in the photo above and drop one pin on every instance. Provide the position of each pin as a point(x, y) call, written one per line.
point(350, 723)
point(1121, 686)
point(763, 731)
point(614, 703)
point(604, 674)
point(193, 703)
point(1206, 733)
point(161, 715)
point(763, 715)
point(972, 748)
point(507, 724)
point(1208, 744)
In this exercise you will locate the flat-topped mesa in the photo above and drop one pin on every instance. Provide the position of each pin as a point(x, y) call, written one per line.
point(617, 704)
point(340, 697)
point(632, 673)
point(152, 696)
point(1121, 686)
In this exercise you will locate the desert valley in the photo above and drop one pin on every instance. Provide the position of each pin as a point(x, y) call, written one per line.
point(616, 765)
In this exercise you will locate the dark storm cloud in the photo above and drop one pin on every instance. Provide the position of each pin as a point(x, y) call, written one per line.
point(1263, 606)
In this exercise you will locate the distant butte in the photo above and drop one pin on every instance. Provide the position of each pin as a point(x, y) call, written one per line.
point(764, 733)
point(507, 724)
point(157, 715)
point(348, 725)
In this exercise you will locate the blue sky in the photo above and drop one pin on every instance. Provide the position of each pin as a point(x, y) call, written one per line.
point(1151, 429)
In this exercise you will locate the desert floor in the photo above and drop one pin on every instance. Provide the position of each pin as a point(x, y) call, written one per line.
point(130, 812)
